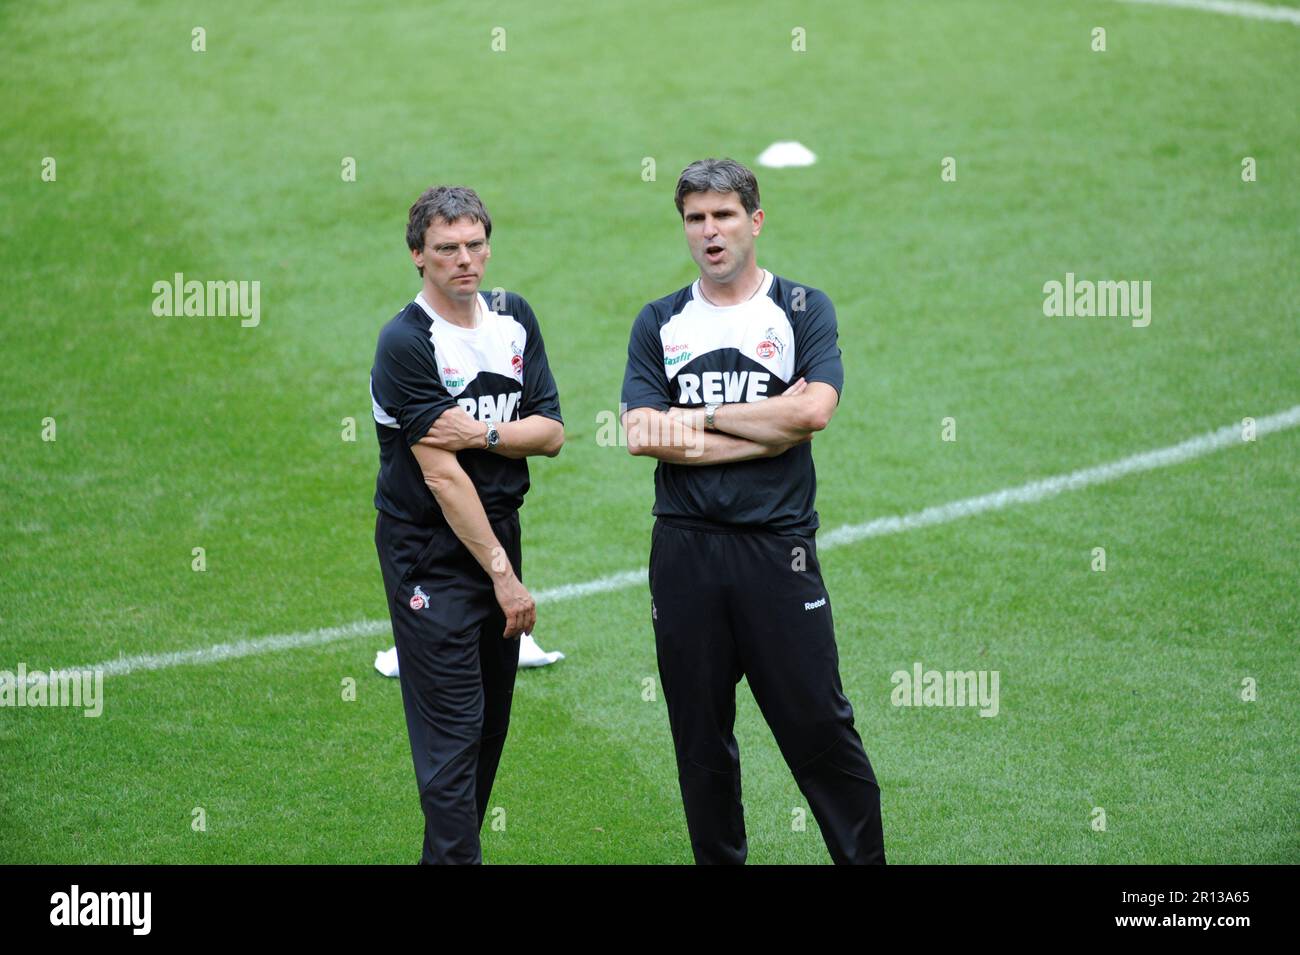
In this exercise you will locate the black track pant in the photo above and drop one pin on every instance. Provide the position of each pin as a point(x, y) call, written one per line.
point(728, 603)
point(456, 671)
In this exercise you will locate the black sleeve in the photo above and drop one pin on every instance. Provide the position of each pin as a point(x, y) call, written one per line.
point(540, 394)
point(816, 343)
point(405, 382)
point(645, 385)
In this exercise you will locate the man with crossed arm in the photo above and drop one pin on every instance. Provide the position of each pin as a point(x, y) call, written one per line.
point(462, 394)
point(727, 381)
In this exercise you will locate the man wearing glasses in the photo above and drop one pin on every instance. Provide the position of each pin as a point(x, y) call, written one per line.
point(462, 394)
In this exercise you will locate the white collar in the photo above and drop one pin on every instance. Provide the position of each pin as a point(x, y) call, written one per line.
point(439, 320)
point(763, 287)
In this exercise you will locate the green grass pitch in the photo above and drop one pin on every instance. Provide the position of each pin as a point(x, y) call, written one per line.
point(1120, 691)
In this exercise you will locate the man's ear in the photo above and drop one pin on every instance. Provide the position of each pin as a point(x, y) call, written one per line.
point(417, 256)
point(757, 220)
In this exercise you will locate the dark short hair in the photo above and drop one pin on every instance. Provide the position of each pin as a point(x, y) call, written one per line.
point(448, 203)
point(717, 175)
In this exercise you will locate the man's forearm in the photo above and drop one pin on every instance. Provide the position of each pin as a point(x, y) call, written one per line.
point(656, 435)
point(464, 512)
point(796, 416)
point(771, 422)
point(535, 434)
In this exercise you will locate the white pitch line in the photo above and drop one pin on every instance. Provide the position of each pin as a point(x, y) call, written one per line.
point(1203, 444)
point(314, 638)
point(1235, 8)
point(1195, 447)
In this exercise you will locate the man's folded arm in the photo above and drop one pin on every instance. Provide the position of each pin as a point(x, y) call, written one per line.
point(655, 434)
point(781, 420)
point(536, 434)
point(454, 430)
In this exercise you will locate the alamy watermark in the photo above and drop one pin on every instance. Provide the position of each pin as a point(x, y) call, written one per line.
point(212, 299)
point(652, 429)
point(1105, 299)
point(923, 687)
point(75, 907)
point(77, 688)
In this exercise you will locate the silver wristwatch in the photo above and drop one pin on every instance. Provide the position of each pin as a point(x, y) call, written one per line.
point(493, 436)
point(708, 415)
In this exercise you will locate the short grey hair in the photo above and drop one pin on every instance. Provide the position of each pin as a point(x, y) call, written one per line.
point(448, 203)
point(718, 175)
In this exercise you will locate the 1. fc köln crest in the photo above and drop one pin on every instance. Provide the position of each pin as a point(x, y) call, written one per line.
point(419, 599)
point(770, 346)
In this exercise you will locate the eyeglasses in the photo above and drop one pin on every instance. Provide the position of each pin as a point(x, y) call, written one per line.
point(446, 250)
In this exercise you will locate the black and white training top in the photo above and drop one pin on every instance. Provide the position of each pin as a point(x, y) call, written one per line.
point(496, 371)
point(686, 352)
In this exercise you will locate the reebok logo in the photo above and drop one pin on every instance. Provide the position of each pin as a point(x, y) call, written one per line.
point(814, 604)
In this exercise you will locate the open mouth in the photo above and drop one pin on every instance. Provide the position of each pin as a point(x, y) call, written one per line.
point(713, 253)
